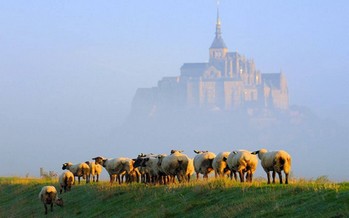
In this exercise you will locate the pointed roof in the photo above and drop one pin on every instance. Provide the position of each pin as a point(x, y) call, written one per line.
point(218, 41)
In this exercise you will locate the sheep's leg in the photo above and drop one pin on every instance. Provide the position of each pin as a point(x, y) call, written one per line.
point(97, 178)
point(268, 176)
point(52, 207)
point(112, 178)
point(78, 179)
point(241, 175)
point(280, 177)
point(197, 176)
point(273, 177)
point(286, 178)
point(45, 208)
point(235, 176)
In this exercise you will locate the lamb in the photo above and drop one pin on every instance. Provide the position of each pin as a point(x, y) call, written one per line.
point(79, 170)
point(95, 170)
point(275, 161)
point(242, 161)
point(116, 167)
point(203, 163)
point(48, 195)
point(66, 180)
point(219, 164)
point(175, 164)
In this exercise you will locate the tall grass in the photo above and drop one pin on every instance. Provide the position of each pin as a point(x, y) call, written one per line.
point(211, 198)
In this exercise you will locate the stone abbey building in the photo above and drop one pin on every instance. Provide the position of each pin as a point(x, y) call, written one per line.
point(228, 82)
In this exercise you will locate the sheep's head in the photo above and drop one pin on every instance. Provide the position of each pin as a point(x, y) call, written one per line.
point(176, 151)
point(140, 161)
point(160, 158)
point(260, 152)
point(99, 160)
point(199, 152)
point(66, 165)
point(59, 202)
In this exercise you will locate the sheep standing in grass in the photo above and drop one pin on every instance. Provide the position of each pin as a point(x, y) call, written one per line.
point(147, 165)
point(79, 170)
point(66, 180)
point(220, 165)
point(275, 161)
point(95, 170)
point(175, 164)
point(242, 162)
point(48, 196)
point(116, 167)
point(203, 163)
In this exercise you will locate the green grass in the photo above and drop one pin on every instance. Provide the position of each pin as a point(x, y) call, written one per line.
point(213, 198)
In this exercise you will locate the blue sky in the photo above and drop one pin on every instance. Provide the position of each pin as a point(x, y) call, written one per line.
point(69, 69)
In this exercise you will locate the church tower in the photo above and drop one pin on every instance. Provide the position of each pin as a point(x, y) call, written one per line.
point(218, 49)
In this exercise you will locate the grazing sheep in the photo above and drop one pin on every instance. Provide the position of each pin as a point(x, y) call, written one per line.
point(219, 164)
point(275, 161)
point(66, 180)
point(48, 195)
point(79, 170)
point(203, 163)
point(116, 167)
point(242, 161)
point(95, 170)
point(175, 164)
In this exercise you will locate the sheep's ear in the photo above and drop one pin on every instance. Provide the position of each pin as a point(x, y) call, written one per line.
point(255, 152)
point(181, 151)
point(224, 159)
point(235, 152)
point(196, 151)
point(172, 151)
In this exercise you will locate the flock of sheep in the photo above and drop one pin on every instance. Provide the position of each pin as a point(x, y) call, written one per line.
point(164, 169)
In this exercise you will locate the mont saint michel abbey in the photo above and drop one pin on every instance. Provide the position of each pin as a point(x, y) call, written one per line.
point(227, 82)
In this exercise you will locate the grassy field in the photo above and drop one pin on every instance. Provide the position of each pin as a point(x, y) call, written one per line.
point(213, 198)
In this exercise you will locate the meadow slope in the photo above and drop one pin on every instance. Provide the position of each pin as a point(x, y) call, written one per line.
point(213, 198)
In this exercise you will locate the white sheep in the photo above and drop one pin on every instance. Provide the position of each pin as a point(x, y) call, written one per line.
point(219, 164)
point(203, 163)
point(95, 170)
point(242, 161)
point(275, 161)
point(79, 170)
point(175, 164)
point(66, 180)
point(48, 195)
point(116, 167)
point(152, 169)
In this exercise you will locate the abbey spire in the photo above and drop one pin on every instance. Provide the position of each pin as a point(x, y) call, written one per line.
point(218, 48)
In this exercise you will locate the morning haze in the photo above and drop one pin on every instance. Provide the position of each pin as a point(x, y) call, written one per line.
point(81, 79)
